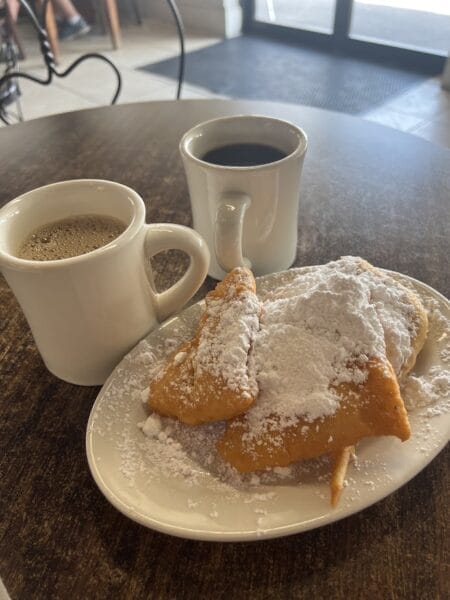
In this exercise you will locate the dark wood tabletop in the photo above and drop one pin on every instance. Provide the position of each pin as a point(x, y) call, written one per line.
point(366, 190)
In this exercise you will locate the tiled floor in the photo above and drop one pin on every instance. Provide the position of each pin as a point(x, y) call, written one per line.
point(423, 111)
point(93, 83)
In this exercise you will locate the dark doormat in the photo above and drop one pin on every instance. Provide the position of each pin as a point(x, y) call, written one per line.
point(260, 69)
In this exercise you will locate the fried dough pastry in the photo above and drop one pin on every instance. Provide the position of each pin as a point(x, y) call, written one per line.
point(340, 465)
point(171, 391)
point(413, 314)
point(309, 373)
point(373, 408)
point(207, 379)
point(389, 297)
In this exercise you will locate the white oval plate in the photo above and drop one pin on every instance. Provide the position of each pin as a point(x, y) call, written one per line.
point(127, 468)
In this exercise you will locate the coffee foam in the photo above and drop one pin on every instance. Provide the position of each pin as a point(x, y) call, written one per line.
point(72, 236)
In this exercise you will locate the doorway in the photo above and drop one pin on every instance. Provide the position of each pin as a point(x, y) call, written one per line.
point(410, 33)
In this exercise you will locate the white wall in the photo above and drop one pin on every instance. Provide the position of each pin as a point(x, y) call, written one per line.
point(222, 18)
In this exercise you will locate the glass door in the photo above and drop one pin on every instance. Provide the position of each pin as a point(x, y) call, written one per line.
point(412, 33)
point(414, 24)
point(301, 14)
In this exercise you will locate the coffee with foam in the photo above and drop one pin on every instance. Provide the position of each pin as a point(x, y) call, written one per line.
point(72, 236)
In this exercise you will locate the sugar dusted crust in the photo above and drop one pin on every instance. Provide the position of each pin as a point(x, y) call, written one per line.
point(171, 390)
point(417, 321)
point(374, 408)
point(207, 378)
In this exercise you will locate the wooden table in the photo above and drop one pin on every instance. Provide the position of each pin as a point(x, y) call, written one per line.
point(366, 190)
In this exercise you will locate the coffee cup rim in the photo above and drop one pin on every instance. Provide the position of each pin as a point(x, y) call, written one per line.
point(299, 151)
point(138, 219)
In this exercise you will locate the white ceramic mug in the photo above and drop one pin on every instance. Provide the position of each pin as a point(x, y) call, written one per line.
point(87, 311)
point(248, 215)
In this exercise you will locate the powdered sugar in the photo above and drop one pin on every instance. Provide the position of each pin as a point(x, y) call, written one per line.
point(432, 390)
point(389, 301)
point(393, 307)
point(223, 348)
point(152, 426)
point(317, 331)
point(279, 372)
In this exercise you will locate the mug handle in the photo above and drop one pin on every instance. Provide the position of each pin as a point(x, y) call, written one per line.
point(228, 227)
point(167, 236)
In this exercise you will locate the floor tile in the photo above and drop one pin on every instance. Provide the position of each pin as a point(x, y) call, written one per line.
point(191, 92)
point(40, 101)
point(436, 130)
point(425, 100)
point(391, 118)
point(160, 91)
point(96, 81)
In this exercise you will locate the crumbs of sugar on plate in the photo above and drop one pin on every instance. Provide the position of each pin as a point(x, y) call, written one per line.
point(152, 426)
point(283, 472)
point(260, 497)
point(260, 511)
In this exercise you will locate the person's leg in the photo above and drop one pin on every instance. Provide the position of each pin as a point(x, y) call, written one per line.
point(13, 7)
point(65, 9)
point(70, 23)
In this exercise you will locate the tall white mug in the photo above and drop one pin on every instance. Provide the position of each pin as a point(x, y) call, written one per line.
point(248, 214)
point(87, 311)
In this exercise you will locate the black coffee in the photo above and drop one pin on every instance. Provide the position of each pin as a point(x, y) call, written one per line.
point(243, 155)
